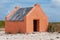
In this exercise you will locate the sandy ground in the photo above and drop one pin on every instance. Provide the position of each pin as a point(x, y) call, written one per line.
point(31, 36)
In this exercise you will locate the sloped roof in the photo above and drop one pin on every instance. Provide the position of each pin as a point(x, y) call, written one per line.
point(19, 15)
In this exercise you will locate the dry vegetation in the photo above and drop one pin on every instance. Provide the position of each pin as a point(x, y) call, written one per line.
point(52, 27)
point(2, 24)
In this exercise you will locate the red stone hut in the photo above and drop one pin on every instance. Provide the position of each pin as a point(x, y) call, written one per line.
point(26, 20)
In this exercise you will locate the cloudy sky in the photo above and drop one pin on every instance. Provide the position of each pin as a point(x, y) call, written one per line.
point(50, 7)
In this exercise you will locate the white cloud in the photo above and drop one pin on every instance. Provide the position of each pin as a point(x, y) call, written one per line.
point(56, 3)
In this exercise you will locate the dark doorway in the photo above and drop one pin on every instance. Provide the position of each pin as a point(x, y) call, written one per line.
point(36, 25)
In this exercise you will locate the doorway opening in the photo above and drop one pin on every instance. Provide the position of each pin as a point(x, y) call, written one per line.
point(36, 25)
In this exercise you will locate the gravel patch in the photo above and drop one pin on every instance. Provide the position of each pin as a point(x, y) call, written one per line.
point(31, 36)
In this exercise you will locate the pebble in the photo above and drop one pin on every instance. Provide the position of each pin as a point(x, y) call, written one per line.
point(30, 36)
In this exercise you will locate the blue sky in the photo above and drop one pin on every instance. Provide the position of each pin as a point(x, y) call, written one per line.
point(50, 7)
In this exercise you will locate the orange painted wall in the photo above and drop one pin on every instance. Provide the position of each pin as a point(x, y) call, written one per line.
point(36, 14)
point(15, 26)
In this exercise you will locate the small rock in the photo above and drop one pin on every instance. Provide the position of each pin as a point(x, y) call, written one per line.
point(51, 39)
point(6, 38)
point(57, 37)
